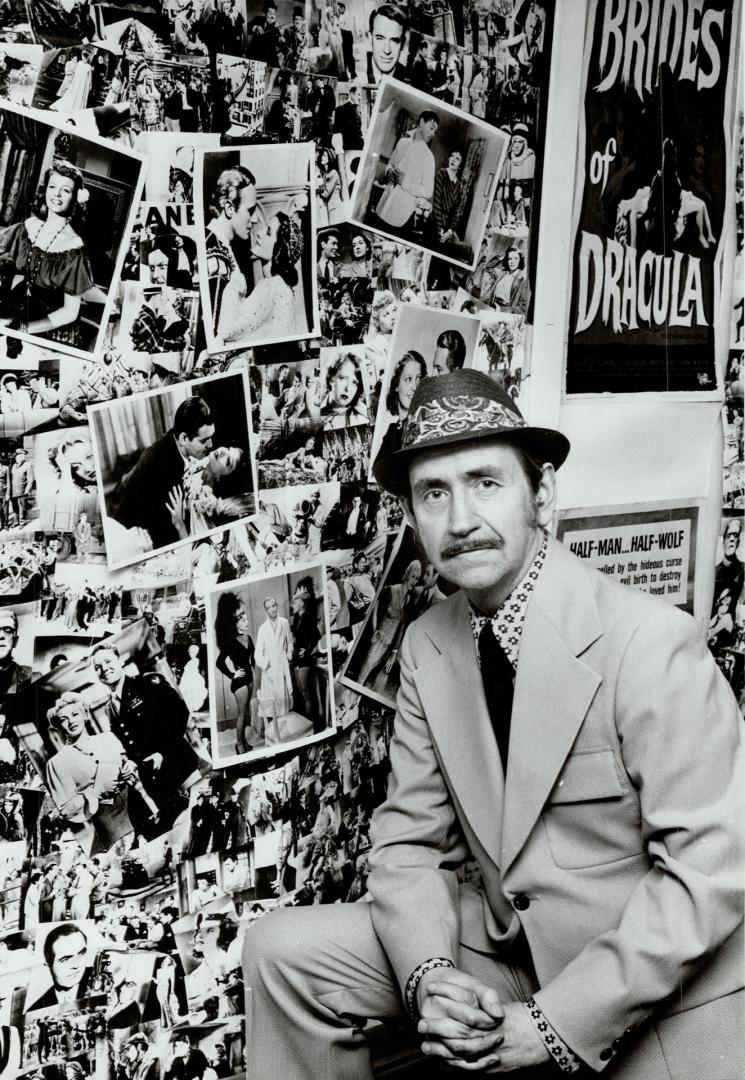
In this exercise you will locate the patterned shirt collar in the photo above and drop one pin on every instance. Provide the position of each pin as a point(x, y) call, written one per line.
point(509, 618)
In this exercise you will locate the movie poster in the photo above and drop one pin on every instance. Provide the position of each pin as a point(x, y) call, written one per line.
point(654, 151)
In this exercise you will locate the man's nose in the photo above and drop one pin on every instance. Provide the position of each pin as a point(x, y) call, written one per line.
point(461, 519)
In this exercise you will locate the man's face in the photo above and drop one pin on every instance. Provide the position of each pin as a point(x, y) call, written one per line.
point(518, 145)
point(731, 540)
point(270, 607)
point(270, 16)
point(428, 129)
point(200, 444)
point(331, 248)
point(158, 268)
point(8, 636)
point(387, 39)
point(476, 516)
point(108, 667)
point(243, 216)
point(441, 361)
point(133, 1053)
point(68, 963)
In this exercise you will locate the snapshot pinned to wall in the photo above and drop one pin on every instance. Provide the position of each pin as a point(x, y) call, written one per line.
point(425, 342)
point(164, 95)
point(409, 587)
point(239, 98)
point(162, 249)
point(68, 216)
point(76, 78)
point(112, 739)
point(726, 630)
point(255, 238)
point(270, 676)
point(173, 464)
point(428, 174)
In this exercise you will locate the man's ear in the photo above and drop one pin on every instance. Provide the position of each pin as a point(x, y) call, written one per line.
point(545, 499)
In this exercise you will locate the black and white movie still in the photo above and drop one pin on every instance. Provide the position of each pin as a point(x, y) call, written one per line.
point(112, 739)
point(19, 71)
point(500, 278)
point(726, 630)
point(269, 669)
point(14, 22)
point(77, 78)
point(174, 464)
point(63, 463)
point(409, 586)
point(162, 249)
point(425, 342)
point(428, 174)
point(168, 96)
point(255, 237)
point(18, 502)
point(238, 98)
point(156, 321)
point(78, 604)
point(68, 215)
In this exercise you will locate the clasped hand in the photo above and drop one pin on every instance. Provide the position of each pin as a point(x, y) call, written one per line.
point(465, 1024)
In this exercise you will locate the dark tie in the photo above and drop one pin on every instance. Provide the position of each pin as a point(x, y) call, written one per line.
point(497, 675)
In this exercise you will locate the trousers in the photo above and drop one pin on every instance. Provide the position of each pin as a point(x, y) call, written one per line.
point(315, 975)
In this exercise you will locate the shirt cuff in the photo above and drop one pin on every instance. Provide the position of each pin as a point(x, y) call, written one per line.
point(565, 1058)
point(414, 979)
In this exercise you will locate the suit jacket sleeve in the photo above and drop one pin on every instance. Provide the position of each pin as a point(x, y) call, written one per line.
point(682, 746)
point(417, 845)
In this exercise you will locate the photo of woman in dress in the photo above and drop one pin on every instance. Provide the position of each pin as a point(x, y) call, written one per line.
point(44, 260)
point(344, 403)
point(236, 660)
point(75, 89)
point(268, 312)
point(329, 194)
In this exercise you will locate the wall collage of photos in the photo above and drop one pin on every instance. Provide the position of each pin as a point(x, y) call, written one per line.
point(234, 237)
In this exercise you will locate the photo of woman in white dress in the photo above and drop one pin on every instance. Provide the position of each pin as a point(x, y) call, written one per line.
point(73, 95)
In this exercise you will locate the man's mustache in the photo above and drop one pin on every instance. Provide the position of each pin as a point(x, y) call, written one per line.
point(460, 548)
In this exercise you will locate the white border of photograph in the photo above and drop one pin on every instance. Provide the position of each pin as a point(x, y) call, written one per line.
point(105, 406)
point(43, 116)
point(435, 105)
point(275, 749)
point(214, 344)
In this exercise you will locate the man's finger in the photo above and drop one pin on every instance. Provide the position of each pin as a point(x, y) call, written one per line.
point(459, 1038)
point(477, 1064)
point(469, 1015)
point(451, 984)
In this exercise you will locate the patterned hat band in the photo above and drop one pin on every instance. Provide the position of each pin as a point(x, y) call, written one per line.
point(448, 416)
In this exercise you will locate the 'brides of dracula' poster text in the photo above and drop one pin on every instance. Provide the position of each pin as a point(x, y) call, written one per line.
point(651, 217)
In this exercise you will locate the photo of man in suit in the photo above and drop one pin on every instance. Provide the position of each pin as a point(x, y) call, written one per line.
point(142, 497)
point(65, 954)
point(577, 740)
point(149, 717)
point(388, 28)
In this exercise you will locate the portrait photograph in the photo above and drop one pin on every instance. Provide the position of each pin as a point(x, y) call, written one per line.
point(254, 210)
point(428, 174)
point(63, 463)
point(67, 218)
point(173, 464)
point(162, 249)
point(269, 671)
point(425, 342)
point(113, 740)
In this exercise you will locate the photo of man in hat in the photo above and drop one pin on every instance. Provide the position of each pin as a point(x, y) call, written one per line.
point(266, 42)
point(21, 487)
point(576, 739)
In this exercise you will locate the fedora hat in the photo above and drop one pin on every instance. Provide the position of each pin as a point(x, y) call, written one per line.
point(459, 407)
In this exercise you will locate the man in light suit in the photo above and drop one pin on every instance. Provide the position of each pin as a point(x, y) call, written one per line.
point(577, 740)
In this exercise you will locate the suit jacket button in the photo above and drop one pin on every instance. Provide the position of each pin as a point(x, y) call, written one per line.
point(521, 902)
point(607, 1054)
point(617, 1043)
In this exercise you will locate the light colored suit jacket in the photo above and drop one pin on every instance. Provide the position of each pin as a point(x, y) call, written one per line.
point(620, 822)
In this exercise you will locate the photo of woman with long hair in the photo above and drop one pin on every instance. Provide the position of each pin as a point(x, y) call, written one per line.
point(45, 260)
point(236, 660)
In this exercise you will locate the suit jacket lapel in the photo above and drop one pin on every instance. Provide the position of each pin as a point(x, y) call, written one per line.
point(451, 691)
point(553, 691)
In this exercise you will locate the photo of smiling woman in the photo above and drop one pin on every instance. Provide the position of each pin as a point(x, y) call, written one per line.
point(69, 204)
